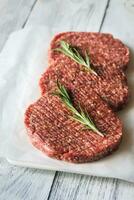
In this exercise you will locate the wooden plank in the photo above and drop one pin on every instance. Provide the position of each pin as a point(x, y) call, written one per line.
point(68, 15)
point(118, 20)
point(21, 183)
point(13, 15)
point(124, 190)
point(15, 182)
point(79, 187)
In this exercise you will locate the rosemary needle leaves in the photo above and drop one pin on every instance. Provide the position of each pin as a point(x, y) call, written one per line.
point(81, 116)
point(71, 52)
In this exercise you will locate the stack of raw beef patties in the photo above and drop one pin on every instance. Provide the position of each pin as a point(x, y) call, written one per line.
point(50, 127)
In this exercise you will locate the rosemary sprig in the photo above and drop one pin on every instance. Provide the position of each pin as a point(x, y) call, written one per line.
point(81, 116)
point(75, 55)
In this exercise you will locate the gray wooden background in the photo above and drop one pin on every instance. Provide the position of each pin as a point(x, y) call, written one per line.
point(115, 16)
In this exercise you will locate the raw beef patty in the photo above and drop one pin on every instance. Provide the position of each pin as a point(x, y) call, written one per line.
point(52, 130)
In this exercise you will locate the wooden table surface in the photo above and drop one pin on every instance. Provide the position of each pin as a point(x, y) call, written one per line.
point(115, 16)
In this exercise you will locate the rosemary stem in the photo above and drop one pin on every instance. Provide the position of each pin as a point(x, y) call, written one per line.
point(71, 52)
point(81, 116)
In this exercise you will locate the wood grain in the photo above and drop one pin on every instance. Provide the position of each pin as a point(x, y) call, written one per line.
point(13, 15)
point(85, 15)
point(21, 183)
point(79, 187)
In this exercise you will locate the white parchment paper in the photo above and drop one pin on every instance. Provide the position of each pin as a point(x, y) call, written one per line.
point(22, 61)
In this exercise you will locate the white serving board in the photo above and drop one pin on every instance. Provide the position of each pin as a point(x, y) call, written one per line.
point(23, 60)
